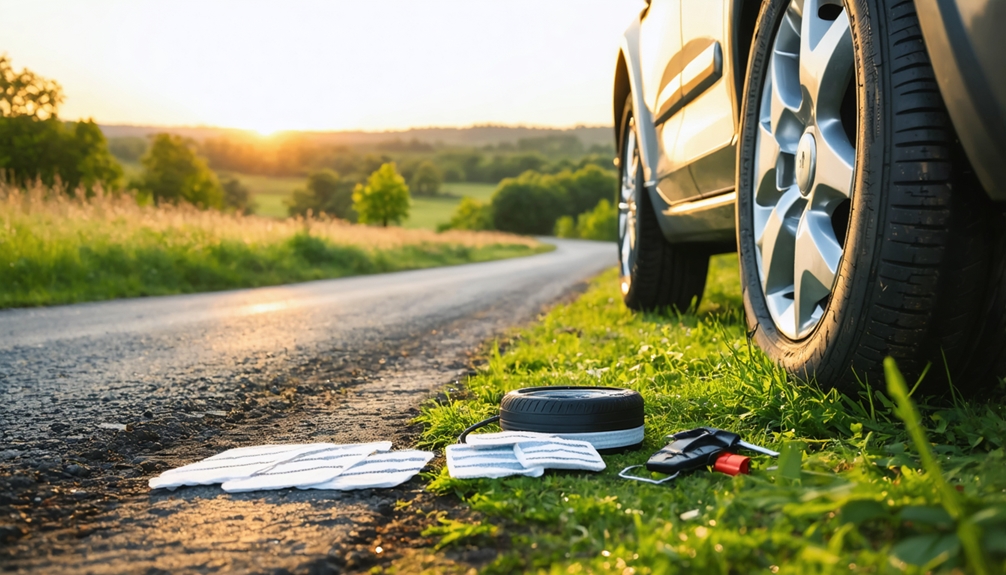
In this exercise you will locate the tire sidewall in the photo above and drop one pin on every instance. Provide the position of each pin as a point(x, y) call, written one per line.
point(827, 352)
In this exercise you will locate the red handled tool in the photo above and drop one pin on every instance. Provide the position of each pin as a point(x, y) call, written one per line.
point(696, 448)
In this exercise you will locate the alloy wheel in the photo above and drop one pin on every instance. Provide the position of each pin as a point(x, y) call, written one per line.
point(627, 206)
point(804, 162)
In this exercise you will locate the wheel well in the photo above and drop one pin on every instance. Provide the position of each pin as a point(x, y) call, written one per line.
point(622, 90)
point(745, 20)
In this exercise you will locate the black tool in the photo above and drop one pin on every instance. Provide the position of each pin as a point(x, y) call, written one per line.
point(697, 448)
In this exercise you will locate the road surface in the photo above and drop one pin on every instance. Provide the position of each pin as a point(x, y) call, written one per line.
point(99, 397)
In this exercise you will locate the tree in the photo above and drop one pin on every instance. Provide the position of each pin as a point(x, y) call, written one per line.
point(326, 192)
point(26, 94)
point(587, 186)
point(35, 144)
point(385, 198)
point(237, 196)
point(427, 180)
point(173, 172)
point(528, 204)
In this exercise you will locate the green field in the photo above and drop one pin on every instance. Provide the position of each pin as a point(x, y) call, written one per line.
point(269, 193)
point(855, 490)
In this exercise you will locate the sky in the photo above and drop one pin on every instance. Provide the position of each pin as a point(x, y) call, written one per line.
point(333, 65)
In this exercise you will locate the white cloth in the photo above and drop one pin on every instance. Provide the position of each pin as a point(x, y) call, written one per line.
point(527, 453)
point(232, 464)
point(306, 469)
point(379, 470)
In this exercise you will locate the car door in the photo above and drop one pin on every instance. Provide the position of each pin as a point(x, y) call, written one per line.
point(705, 140)
point(660, 61)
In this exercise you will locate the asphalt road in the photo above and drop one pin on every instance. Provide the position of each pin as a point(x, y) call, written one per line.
point(97, 398)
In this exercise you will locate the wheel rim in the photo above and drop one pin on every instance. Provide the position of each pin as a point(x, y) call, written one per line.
point(805, 155)
point(627, 206)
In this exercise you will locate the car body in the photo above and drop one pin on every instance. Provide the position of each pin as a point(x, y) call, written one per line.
point(684, 64)
point(853, 153)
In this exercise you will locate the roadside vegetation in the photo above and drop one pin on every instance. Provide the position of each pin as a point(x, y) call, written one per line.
point(58, 248)
point(864, 484)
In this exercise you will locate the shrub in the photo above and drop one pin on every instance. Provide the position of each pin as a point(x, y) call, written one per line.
point(470, 214)
point(587, 186)
point(601, 223)
point(528, 204)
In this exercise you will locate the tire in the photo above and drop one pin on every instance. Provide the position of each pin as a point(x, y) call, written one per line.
point(654, 274)
point(596, 414)
point(914, 256)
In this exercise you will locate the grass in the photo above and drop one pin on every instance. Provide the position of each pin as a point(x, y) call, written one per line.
point(428, 213)
point(269, 193)
point(866, 484)
point(59, 249)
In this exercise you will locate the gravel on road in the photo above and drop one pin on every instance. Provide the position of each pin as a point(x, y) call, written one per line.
point(100, 397)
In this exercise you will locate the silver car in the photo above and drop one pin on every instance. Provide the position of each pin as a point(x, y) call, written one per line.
point(853, 153)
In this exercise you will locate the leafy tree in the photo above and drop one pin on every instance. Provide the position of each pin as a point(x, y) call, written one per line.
point(173, 172)
point(600, 223)
point(470, 214)
point(26, 94)
point(326, 192)
point(529, 204)
point(427, 180)
point(237, 196)
point(565, 227)
point(385, 198)
point(34, 143)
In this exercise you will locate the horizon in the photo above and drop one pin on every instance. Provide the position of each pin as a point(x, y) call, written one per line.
point(267, 67)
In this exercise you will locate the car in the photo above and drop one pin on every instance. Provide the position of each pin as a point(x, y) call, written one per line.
point(852, 153)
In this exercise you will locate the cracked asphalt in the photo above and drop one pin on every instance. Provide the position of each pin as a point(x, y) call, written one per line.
point(100, 397)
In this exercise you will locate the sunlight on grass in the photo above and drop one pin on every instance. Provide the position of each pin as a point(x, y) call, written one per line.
point(58, 249)
point(852, 496)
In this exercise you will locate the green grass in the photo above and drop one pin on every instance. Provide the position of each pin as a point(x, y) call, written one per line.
point(848, 495)
point(428, 213)
point(475, 190)
point(61, 250)
point(269, 193)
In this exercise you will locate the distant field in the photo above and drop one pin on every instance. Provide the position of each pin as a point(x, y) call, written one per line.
point(427, 213)
point(270, 192)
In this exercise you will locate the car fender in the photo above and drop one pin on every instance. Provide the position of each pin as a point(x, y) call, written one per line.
point(646, 133)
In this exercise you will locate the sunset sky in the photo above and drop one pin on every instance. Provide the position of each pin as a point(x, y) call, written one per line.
point(334, 65)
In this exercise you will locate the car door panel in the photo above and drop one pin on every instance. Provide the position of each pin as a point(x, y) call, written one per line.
point(705, 139)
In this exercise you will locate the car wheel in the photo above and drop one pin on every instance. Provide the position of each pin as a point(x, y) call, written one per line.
point(654, 274)
point(854, 242)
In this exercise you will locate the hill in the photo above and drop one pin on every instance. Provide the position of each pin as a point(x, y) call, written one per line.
point(470, 136)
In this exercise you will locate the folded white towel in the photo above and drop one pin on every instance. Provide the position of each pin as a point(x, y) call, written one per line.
point(306, 469)
point(379, 470)
point(527, 453)
point(232, 464)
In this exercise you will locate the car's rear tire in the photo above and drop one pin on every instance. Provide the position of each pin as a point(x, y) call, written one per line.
point(654, 274)
point(906, 251)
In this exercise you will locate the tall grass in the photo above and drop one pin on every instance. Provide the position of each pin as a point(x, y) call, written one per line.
point(58, 248)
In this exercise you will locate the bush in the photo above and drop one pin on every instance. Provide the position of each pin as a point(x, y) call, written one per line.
point(587, 186)
point(470, 214)
point(565, 227)
point(601, 223)
point(528, 204)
